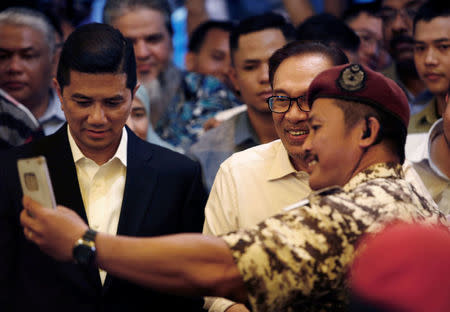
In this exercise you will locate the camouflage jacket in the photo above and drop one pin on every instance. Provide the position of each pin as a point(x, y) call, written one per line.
point(297, 260)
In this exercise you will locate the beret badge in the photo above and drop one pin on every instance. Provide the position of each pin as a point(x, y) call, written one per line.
point(352, 78)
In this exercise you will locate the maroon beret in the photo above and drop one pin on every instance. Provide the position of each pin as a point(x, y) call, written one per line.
point(404, 267)
point(358, 83)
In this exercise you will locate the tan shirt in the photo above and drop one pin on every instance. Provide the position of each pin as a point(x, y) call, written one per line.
point(249, 187)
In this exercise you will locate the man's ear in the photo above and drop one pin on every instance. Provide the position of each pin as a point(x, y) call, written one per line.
point(189, 61)
point(58, 91)
point(370, 127)
point(233, 78)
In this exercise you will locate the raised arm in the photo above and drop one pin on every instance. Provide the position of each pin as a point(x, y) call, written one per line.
point(186, 264)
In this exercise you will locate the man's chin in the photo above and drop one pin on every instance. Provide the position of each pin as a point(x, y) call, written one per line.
point(146, 77)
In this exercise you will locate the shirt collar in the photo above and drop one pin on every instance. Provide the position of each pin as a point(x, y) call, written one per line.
point(121, 152)
point(436, 130)
point(53, 109)
point(282, 165)
point(423, 151)
point(380, 170)
point(244, 130)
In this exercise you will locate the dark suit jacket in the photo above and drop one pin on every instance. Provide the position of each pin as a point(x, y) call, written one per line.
point(163, 195)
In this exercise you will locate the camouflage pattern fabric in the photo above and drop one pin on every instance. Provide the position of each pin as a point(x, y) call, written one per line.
point(297, 260)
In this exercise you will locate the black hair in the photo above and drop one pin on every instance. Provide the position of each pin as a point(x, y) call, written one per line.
point(392, 130)
point(258, 23)
point(330, 30)
point(199, 34)
point(97, 48)
point(296, 48)
point(431, 10)
point(371, 8)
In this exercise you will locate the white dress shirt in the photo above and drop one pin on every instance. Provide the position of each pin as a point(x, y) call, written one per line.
point(418, 152)
point(102, 187)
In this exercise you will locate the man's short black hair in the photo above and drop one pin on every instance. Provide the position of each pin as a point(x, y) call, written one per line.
point(97, 49)
point(371, 8)
point(431, 10)
point(258, 23)
point(330, 30)
point(199, 34)
point(297, 48)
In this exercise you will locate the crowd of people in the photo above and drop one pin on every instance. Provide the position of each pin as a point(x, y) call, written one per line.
point(267, 175)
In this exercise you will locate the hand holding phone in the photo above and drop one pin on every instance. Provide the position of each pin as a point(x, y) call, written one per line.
point(35, 180)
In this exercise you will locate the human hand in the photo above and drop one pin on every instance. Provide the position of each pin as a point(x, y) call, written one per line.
point(55, 231)
point(210, 124)
point(238, 307)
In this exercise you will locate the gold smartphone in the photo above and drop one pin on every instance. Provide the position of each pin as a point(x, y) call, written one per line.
point(35, 180)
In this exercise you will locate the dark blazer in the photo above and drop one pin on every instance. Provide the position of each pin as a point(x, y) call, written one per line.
point(163, 195)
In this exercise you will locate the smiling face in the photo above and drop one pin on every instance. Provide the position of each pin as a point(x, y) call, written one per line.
point(96, 107)
point(333, 150)
point(250, 74)
point(432, 53)
point(151, 41)
point(25, 64)
point(292, 78)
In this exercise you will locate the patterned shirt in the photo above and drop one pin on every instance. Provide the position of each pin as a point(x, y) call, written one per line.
point(216, 145)
point(197, 99)
point(296, 261)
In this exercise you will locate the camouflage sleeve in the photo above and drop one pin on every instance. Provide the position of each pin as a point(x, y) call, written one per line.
point(294, 259)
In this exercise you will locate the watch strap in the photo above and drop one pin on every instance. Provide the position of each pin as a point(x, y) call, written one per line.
point(90, 235)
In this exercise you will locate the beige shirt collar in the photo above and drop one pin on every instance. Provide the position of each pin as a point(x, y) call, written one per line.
point(282, 165)
point(121, 152)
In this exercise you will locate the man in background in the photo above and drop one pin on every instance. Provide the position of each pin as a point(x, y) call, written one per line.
point(209, 50)
point(397, 16)
point(27, 60)
point(252, 42)
point(432, 60)
point(180, 102)
point(364, 20)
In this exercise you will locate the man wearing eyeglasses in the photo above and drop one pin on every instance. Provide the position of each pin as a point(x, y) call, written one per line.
point(397, 16)
point(252, 42)
point(259, 182)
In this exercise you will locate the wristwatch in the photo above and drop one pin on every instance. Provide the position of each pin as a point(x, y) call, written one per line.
point(84, 249)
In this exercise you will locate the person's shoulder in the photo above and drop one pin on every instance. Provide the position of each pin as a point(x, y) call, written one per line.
point(165, 159)
point(216, 138)
point(257, 156)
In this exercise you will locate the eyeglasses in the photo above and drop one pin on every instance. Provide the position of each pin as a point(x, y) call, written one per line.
point(389, 15)
point(281, 104)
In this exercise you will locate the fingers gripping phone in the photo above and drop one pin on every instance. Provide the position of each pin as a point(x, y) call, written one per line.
point(35, 180)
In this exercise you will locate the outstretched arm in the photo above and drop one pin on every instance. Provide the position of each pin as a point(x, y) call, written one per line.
point(186, 264)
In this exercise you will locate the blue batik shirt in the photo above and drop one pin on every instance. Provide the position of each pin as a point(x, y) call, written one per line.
point(197, 99)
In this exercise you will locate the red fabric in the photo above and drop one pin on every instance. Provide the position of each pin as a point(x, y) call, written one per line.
point(376, 90)
point(406, 267)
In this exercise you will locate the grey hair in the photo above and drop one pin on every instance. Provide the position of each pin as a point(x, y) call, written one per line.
point(114, 9)
point(31, 18)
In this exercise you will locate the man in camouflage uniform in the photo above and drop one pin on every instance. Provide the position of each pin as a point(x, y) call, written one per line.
point(297, 260)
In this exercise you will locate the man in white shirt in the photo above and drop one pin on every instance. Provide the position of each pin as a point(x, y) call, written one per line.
point(428, 153)
point(116, 182)
point(259, 182)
